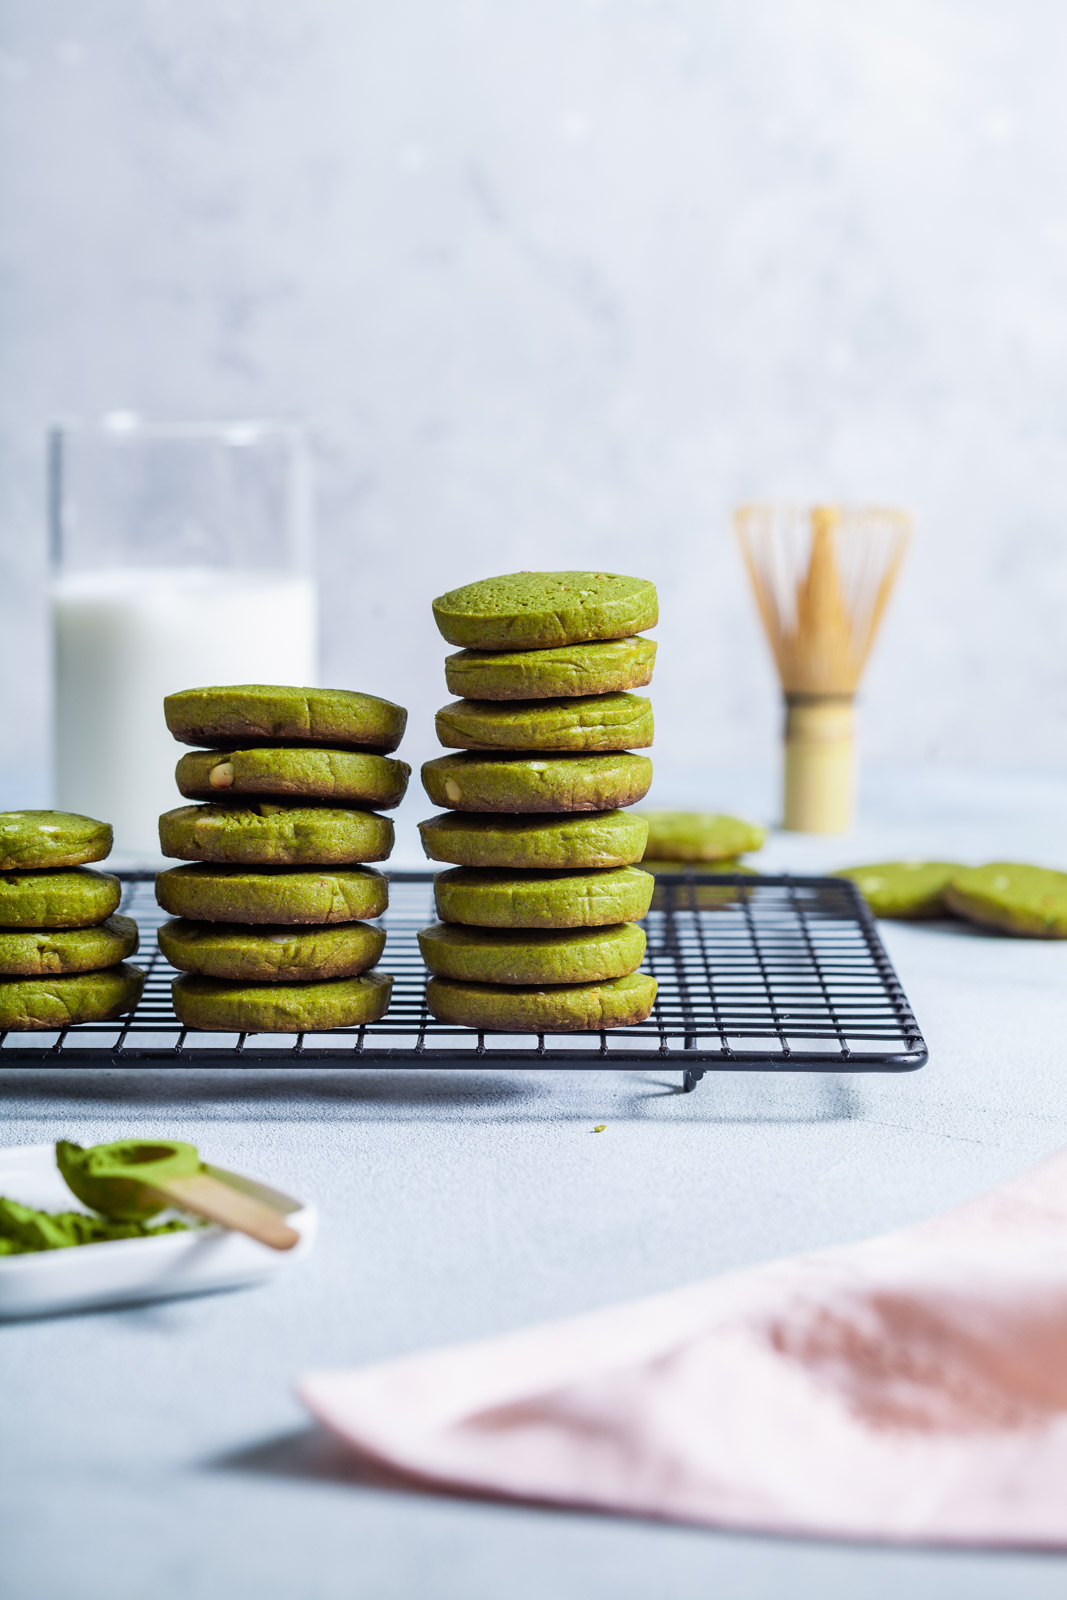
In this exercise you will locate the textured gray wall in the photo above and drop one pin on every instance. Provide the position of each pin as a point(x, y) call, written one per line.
point(557, 283)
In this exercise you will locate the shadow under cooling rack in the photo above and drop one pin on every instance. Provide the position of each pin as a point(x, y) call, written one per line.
point(755, 974)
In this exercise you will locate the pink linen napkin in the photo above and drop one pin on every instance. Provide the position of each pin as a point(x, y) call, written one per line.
point(912, 1387)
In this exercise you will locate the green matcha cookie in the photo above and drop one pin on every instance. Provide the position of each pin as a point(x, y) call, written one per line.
point(487, 899)
point(567, 1008)
point(57, 897)
point(38, 952)
point(540, 610)
point(254, 713)
point(595, 722)
point(271, 955)
point(35, 839)
point(283, 895)
point(906, 889)
point(349, 777)
point(265, 835)
point(470, 782)
point(222, 1007)
point(699, 836)
point(552, 841)
point(531, 955)
point(1013, 897)
point(569, 669)
point(37, 1004)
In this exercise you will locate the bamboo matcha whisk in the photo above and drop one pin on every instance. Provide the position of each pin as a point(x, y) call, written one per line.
point(822, 582)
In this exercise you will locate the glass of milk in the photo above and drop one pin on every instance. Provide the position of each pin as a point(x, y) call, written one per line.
point(181, 557)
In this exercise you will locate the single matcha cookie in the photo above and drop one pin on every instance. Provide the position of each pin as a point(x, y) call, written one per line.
point(699, 836)
point(909, 890)
point(1015, 898)
point(37, 1004)
point(470, 782)
point(223, 1007)
point(567, 1008)
point(552, 841)
point(57, 897)
point(349, 777)
point(530, 955)
point(261, 834)
point(38, 952)
point(283, 895)
point(487, 899)
point(595, 722)
point(254, 713)
point(569, 669)
point(539, 610)
point(34, 839)
point(271, 955)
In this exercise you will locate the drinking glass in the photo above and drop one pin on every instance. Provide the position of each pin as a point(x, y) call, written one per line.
point(181, 557)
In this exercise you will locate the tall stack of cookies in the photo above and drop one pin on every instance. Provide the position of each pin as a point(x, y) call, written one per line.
point(537, 918)
point(63, 949)
point(270, 931)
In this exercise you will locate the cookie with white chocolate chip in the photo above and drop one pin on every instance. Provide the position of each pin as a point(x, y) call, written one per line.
point(469, 781)
point(350, 777)
point(247, 714)
point(261, 833)
point(39, 840)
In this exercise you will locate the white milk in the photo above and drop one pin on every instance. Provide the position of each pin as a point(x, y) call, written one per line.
point(126, 637)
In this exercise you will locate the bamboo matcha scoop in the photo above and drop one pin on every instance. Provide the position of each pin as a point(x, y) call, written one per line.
point(132, 1179)
point(822, 582)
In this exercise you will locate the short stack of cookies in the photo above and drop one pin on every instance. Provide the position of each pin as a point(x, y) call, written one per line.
point(270, 931)
point(63, 949)
point(537, 927)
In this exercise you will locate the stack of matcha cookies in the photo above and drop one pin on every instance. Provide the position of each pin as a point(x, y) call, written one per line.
point(270, 932)
point(63, 950)
point(537, 918)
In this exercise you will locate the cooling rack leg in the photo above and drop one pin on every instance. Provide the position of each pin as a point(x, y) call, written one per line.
point(690, 1078)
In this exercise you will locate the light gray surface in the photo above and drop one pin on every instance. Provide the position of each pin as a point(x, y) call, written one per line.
point(160, 1450)
point(557, 283)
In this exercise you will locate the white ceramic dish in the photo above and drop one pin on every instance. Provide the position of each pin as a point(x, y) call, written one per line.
point(127, 1271)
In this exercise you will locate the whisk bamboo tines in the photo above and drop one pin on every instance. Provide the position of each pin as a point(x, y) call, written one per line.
point(822, 579)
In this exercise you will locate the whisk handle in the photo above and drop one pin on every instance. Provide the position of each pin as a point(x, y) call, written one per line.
point(820, 763)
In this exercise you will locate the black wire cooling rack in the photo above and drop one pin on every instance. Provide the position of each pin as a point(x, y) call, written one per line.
point(755, 974)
